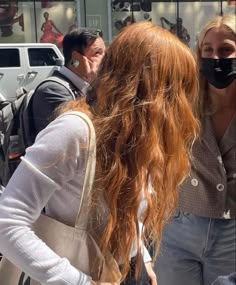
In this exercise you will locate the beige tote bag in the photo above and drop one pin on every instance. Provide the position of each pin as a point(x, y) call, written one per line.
point(76, 243)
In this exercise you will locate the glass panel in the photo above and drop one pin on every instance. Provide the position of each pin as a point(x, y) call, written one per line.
point(182, 18)
point(11, 22)
point(126, 12)
point(42, 57)
point(36, 20)
point(53, 20)
point(194, 15)
point(229, 7)
point(97, 16)
point(9, 58)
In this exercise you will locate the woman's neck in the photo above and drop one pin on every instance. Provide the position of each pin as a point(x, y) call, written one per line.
point(225, 109)
point(225, 98)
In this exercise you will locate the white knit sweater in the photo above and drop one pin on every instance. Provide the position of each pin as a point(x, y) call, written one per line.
point(50, 175)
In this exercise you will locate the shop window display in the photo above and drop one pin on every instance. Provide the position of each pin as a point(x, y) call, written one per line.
point(176, 28)
point(125, 13)
point(50, 36)
point(182, 18)
point(43, 21)
point(11, 22)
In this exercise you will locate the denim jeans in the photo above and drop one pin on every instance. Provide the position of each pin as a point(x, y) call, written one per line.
point(196, 250)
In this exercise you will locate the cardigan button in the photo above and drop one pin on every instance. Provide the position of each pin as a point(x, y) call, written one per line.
point(194, 182)
point(220, 187)
point(219, 158)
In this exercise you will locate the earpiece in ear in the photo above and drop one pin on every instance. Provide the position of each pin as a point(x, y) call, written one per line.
point(75, 63)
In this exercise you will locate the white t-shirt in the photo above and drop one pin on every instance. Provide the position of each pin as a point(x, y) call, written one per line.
point(51, 175)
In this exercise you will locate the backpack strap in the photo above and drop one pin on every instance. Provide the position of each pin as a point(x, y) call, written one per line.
point(61, 82)
point(26, 122)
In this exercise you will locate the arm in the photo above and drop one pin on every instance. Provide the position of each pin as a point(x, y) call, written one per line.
point(149, 266)
point(24, 199)
point(150, 272)
point(146, 256)
point(45, 100)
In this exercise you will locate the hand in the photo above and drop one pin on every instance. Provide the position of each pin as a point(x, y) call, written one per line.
point(151, 273)
point(86, 68)
point(92, 70)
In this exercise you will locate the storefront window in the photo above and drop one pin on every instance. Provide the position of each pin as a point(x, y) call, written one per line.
point(183, 18)
point(127, 12)
point(11, 21)
point(194, 15)
point(48, 20)
point(44, 21)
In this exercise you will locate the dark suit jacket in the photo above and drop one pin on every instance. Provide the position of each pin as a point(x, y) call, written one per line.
point(210, 189)
point(46, 98)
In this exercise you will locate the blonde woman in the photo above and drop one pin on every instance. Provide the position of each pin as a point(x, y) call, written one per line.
point(141, 107)
point(199, 244)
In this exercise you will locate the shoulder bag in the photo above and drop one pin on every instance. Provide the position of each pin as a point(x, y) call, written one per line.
point(76, 243)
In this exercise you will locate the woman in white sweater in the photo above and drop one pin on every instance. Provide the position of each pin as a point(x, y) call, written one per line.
point(141, 108)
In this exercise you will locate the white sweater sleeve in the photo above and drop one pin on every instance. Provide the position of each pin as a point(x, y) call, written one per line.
point(48, 165)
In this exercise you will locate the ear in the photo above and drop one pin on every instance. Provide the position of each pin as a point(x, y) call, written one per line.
point(74, 54)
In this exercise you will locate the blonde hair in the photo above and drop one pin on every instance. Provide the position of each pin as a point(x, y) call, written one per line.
point(206, 103)
point(145, 92)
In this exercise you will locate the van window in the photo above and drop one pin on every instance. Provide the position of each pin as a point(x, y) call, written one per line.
point(9, 57)
point(42, 57)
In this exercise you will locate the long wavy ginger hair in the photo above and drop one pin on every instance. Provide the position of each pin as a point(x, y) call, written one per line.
point(145, 89)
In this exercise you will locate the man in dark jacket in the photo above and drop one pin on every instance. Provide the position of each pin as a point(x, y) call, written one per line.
point(83, 50)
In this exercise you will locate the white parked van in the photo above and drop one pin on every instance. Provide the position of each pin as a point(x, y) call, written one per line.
point(26, 65)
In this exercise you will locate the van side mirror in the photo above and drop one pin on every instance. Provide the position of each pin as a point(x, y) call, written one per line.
point(59, 62)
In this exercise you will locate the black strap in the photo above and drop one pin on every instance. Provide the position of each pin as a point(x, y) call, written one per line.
point(22, 281)
point(74, 89)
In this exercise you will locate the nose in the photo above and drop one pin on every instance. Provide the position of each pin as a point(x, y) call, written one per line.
point(215, 55)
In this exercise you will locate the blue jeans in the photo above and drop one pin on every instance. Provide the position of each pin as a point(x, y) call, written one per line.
point(196, 250)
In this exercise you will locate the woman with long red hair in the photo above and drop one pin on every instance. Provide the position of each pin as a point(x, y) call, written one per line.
point(141, 105)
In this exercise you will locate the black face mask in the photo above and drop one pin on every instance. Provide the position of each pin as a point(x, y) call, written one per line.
point(219, 72)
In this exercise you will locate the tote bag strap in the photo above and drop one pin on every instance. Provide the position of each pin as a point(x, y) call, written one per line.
point(83, 211)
